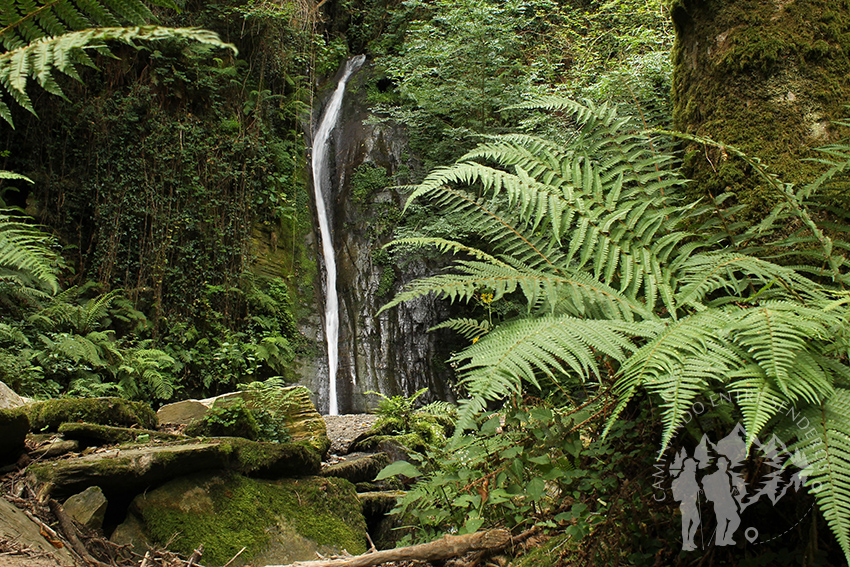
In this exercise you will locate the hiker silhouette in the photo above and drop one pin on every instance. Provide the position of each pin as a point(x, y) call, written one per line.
point(718, 490)
point(686, 491)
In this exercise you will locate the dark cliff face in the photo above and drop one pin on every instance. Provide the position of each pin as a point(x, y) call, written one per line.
point(392, 352)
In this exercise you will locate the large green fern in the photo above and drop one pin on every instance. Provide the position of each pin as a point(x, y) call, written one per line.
point(25, 253)
point(59, 34)
point(591, 237)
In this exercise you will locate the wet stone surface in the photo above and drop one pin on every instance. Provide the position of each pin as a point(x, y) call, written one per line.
point(344, 429)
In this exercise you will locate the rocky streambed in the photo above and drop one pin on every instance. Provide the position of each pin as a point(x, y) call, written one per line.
point(123, 481)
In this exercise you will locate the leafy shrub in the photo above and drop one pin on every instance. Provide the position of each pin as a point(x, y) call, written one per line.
point(629, 291)
point(233, 419)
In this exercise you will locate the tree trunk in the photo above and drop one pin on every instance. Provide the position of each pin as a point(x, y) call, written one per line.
point(767, 76)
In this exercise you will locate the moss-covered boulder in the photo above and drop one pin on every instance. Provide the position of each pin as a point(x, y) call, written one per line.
point(50, 414)
point(129, 468)
point(279, 522)
point(14, 426)
point(89, 434)
point(272, 460)
point(358, 467)
point(290, 407)
point(397, 436)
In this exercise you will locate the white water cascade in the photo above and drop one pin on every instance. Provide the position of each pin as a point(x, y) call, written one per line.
point(321, 188)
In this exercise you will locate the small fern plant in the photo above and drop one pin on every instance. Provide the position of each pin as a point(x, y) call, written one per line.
point(627, 288)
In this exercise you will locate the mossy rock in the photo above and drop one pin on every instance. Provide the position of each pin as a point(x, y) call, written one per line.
point(380, 502)
point(273, 460)
point(93, 434)
point(14, 426)
point(127, 468)
point(277, 521)
point(358, 467)
point(291, 404)
point(50, 414)
point(415, 434)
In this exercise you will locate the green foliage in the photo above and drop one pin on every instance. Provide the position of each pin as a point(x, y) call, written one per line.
point(397, 407)
point(270, 406)
point(455, 66)
point(366, 180)
point(400, 422)
point(521, 468)
point(619, 298)
point(37, 40)
point(26, 255)
point(233, 419)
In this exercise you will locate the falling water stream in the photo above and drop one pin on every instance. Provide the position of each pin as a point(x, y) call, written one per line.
point(322, 187)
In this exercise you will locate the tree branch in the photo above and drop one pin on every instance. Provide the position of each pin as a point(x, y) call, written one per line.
point(444, 548)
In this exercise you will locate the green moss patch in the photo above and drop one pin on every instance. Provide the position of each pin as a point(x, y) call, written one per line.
point(50, 414)
point(769, 78)
point(273, 460)
point(227, 512)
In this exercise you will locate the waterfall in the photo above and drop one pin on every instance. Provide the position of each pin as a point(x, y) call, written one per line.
point(322, 188)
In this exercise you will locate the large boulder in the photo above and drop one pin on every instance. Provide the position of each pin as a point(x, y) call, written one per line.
point(50, 414)
point(14, 426)
point(278, 522)
point(134, 468)
point(292, 405)
point(9, 399)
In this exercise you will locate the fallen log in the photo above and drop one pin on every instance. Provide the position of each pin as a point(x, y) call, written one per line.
point(446, 547)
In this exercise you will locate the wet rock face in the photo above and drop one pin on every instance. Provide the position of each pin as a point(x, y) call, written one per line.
point(392, 353)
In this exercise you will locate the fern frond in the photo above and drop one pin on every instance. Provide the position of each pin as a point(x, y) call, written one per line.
point(679, 363)
point(610, 209)
point(74, 347)
point(470, 329)
point(740, 277)
point(25, 21)
point(778, 335)
point(520, 350)
point(826, 448)
point(757, 398)
point(24, 248)
point(40, 56)
point(575, 293)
